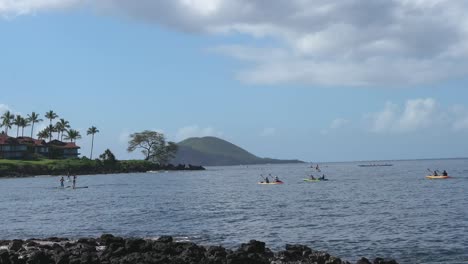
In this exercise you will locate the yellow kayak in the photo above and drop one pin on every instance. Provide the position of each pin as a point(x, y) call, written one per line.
point(437, 177)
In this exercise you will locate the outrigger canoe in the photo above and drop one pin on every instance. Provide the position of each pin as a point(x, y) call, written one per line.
point(274, 182)
point(437, 177)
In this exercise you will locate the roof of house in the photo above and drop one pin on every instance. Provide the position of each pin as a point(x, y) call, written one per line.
point(60, 144)
point(7, 140)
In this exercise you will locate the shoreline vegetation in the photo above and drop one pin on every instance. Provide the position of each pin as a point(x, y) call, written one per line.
point(83, 166)
point(111, 249)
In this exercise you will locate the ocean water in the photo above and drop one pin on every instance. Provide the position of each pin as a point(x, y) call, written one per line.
point(392, 212)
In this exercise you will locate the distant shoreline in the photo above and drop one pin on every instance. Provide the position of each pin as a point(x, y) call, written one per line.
point(22, 169)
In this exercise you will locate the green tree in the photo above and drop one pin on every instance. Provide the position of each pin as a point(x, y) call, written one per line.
point(23, 123)
point(91, 131)
point(50, 129)
point(17, 123)
point(43, 134)
point(62, 126)
point(72, 135)
point(51, 115)
point(7, 120)
point(108, 156)
point(33, 118)
point(153, 145)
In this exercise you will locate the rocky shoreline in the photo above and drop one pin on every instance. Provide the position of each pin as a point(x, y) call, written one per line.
point(109, 249)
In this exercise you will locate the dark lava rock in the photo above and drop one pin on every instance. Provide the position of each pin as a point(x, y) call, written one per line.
point(165, 239)
point(253, 246)
point(383, 261)
point(117, 250)
point(15, 245)
point(4, 257)
point(363, 261)
point(39, 257)
point(108, 239)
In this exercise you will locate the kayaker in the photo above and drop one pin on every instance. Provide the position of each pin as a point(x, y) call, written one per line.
point(323, 177)
point(277, 179)
point(267, 180)
point(444, 173)
point(61, 182)
point(435, 173)
point(312, 177)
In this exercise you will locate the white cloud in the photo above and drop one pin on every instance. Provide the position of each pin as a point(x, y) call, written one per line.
point(460, 122)
point(268, 132)
point(4, 108)
point(325, 42)
point(335, 124)
point(22, 7)
point(339, 123)
point(196, 131)
point(418, 114)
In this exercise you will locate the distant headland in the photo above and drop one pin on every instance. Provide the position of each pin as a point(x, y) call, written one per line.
point(213, 151)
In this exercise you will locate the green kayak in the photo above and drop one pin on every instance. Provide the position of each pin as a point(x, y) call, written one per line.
point(315, 180)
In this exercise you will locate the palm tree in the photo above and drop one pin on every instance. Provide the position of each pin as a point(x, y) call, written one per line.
point(91, 131)
point(7, 120)
point(17, 123)
point(24, 123)
point(33, 118)
point(72, 135)
point(43, 134)
point(51, 115)
point(61, 127)
point(50, 129)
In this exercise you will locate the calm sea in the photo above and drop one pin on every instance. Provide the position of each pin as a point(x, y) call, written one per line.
point(393, 212)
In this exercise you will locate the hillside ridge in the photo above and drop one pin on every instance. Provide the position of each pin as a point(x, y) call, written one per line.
point(213, 151)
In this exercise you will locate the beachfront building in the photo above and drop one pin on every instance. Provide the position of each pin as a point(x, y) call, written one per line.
point(25, 147)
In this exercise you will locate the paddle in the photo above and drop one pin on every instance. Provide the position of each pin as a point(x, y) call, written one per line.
point(432, 171)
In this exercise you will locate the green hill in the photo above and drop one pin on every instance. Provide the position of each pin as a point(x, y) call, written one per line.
point(212, 151)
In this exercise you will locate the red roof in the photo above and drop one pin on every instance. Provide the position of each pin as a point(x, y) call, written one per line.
point(71, 145)
point(4, 138)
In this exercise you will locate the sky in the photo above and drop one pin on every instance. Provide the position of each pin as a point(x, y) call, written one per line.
point(316, 80)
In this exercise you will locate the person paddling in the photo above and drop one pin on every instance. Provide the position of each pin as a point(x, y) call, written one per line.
point(61, 182)
point(444, 173)
point(323, 177)
point(435, 173)
point(277, 179)
point(267, 180)
point(312, 177)
point(74, 181)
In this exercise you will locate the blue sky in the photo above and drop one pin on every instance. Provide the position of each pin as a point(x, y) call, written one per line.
point(391, 85)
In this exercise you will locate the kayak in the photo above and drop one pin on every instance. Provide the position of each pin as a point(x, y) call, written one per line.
point(310, 180)
point(315, 180)
point(278, 182)
point(437, 177)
